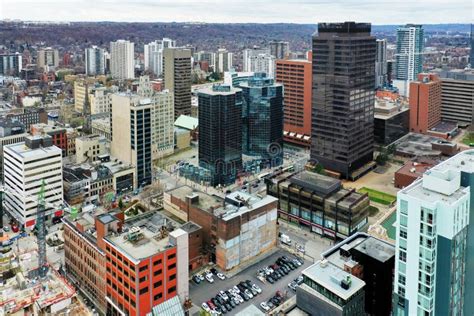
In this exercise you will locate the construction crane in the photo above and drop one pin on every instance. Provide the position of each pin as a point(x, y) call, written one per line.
point(40, 220)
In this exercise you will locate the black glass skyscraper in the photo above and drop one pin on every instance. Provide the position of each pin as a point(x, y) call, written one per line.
point(220, 132)
point(343, 97)
point(262, 118)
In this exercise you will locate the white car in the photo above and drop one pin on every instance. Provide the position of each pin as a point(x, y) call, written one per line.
point(200, 276)
point(239, 298)
point(221, 276)
point(248, 293)
point(209, 278)
point(264, 306)
point(236, 289)
point(223, 295)
point(206, 307)
point(256, 288)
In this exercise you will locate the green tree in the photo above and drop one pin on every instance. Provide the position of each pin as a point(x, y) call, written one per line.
point(120, 204)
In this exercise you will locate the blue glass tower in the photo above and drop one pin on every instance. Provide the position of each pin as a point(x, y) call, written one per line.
point(262, 118)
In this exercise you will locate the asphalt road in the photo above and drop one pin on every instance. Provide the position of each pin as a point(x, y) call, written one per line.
point(203, 292)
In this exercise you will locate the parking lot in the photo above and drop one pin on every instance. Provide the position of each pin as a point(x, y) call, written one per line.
point(204, 291)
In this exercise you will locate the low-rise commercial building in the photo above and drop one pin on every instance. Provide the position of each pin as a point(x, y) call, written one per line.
point(11, 132)
point(391, 120)
point(412, 170)
point(235, 229)
point(90, 147)
point(319, 203)
point(58, 135)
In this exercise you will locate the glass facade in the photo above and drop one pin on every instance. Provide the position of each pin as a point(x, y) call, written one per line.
point(262, 118)
point(343, 96)
point(220, 133)
point(140, 129)
point(388, 130)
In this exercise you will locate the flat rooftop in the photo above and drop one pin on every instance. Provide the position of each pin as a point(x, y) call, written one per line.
point(420, 145)
point(247, 201)
point(329, 276)
point(151, 236)
point(316, 182)
point(386, 109)
point(205, 201)
point(444, 127)
point(377, 249)
point(417, 168)
point(24, 151)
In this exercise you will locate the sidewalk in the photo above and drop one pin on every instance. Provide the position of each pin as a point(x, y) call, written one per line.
point(248, 263)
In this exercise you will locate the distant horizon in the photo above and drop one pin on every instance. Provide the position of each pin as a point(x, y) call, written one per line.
point(203, 22)
point(376, 12)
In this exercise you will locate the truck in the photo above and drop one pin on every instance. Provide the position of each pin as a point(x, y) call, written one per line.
point(285, 239)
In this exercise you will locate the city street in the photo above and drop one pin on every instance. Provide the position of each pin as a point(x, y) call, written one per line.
point(204, 291)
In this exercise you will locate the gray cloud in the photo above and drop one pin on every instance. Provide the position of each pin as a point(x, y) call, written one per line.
point(260, 11)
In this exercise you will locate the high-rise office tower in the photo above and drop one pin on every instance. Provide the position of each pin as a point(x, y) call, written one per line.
point(122, 59)
point(381, 63)
point(279, 49)
point(177, 78)
point(220, 132)
point(409, 55)
point(95, 61)
point(223, 60)
point(262, 115)
point(425, 103)
point(26, 166)
point(471, 58)
point(10, 64)
point(342, 137)
point(153, 55)
point(47, 57)
point(434, 265)
point(132, 133)
point(296, 76)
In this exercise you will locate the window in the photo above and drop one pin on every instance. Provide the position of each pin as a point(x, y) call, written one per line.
point(403, 207)
point(144, 268)
point(158, 296)
point(401, 291)
point(172, 266)
point(157, 284)
point(401, 279)
point(157, 262)
point(403, 233)
point(403, 220)
point(172, 256)
point(172, 277)
point(144, 290)
point(402, 256)
point(142, 279)
point(171, 289)
point(157, 272)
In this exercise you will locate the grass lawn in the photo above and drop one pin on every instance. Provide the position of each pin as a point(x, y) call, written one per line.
point(468, 138)
point(378, 196)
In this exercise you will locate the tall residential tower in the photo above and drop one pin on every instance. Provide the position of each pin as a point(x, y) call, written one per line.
point(409, 55)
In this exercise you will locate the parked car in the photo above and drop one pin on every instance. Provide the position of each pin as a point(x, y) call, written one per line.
point(196, 279)
point(244, 296)
point(223, 295)
point(211, 304)
point(236, 289)
point(292, 285)
point(214, 271)
point(205, 307)
point(299, 280)
point(256, 288)
point(296, 262)
point(200, 276)
point(248, 293)
point(264, 306)
point(209, 278)
point(270, 279)
point(220, 276)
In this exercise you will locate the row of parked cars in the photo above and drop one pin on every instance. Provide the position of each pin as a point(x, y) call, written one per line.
point(227, 300)
point(274, 301)
point(208, 275)
point(282, 267)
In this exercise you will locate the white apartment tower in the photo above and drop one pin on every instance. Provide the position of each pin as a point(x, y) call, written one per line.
point(223, 60)
point(259, 60)
point(409, 55)
point(95, 61)
point(153, 55)
point(381, 63)
point(122, 60)
point(26, 165)
point(434, 244)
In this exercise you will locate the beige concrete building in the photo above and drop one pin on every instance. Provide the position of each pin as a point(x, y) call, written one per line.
point(177, 78)
point(80, 90)
point(90, 147)
point(47, 57)
point(122, 59)
point(102, 127)
point(100, 99)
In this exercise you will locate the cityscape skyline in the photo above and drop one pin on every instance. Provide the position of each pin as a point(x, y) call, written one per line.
point(456, 11)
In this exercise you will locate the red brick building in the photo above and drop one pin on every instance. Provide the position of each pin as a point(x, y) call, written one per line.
point(411, 171)
point(425, 103)
point(58, 134)
point(296, 76)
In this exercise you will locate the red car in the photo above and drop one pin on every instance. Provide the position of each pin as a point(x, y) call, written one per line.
point(15, 228)
point(210, 304)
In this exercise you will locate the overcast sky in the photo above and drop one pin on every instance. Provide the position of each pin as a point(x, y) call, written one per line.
point(235, 11)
